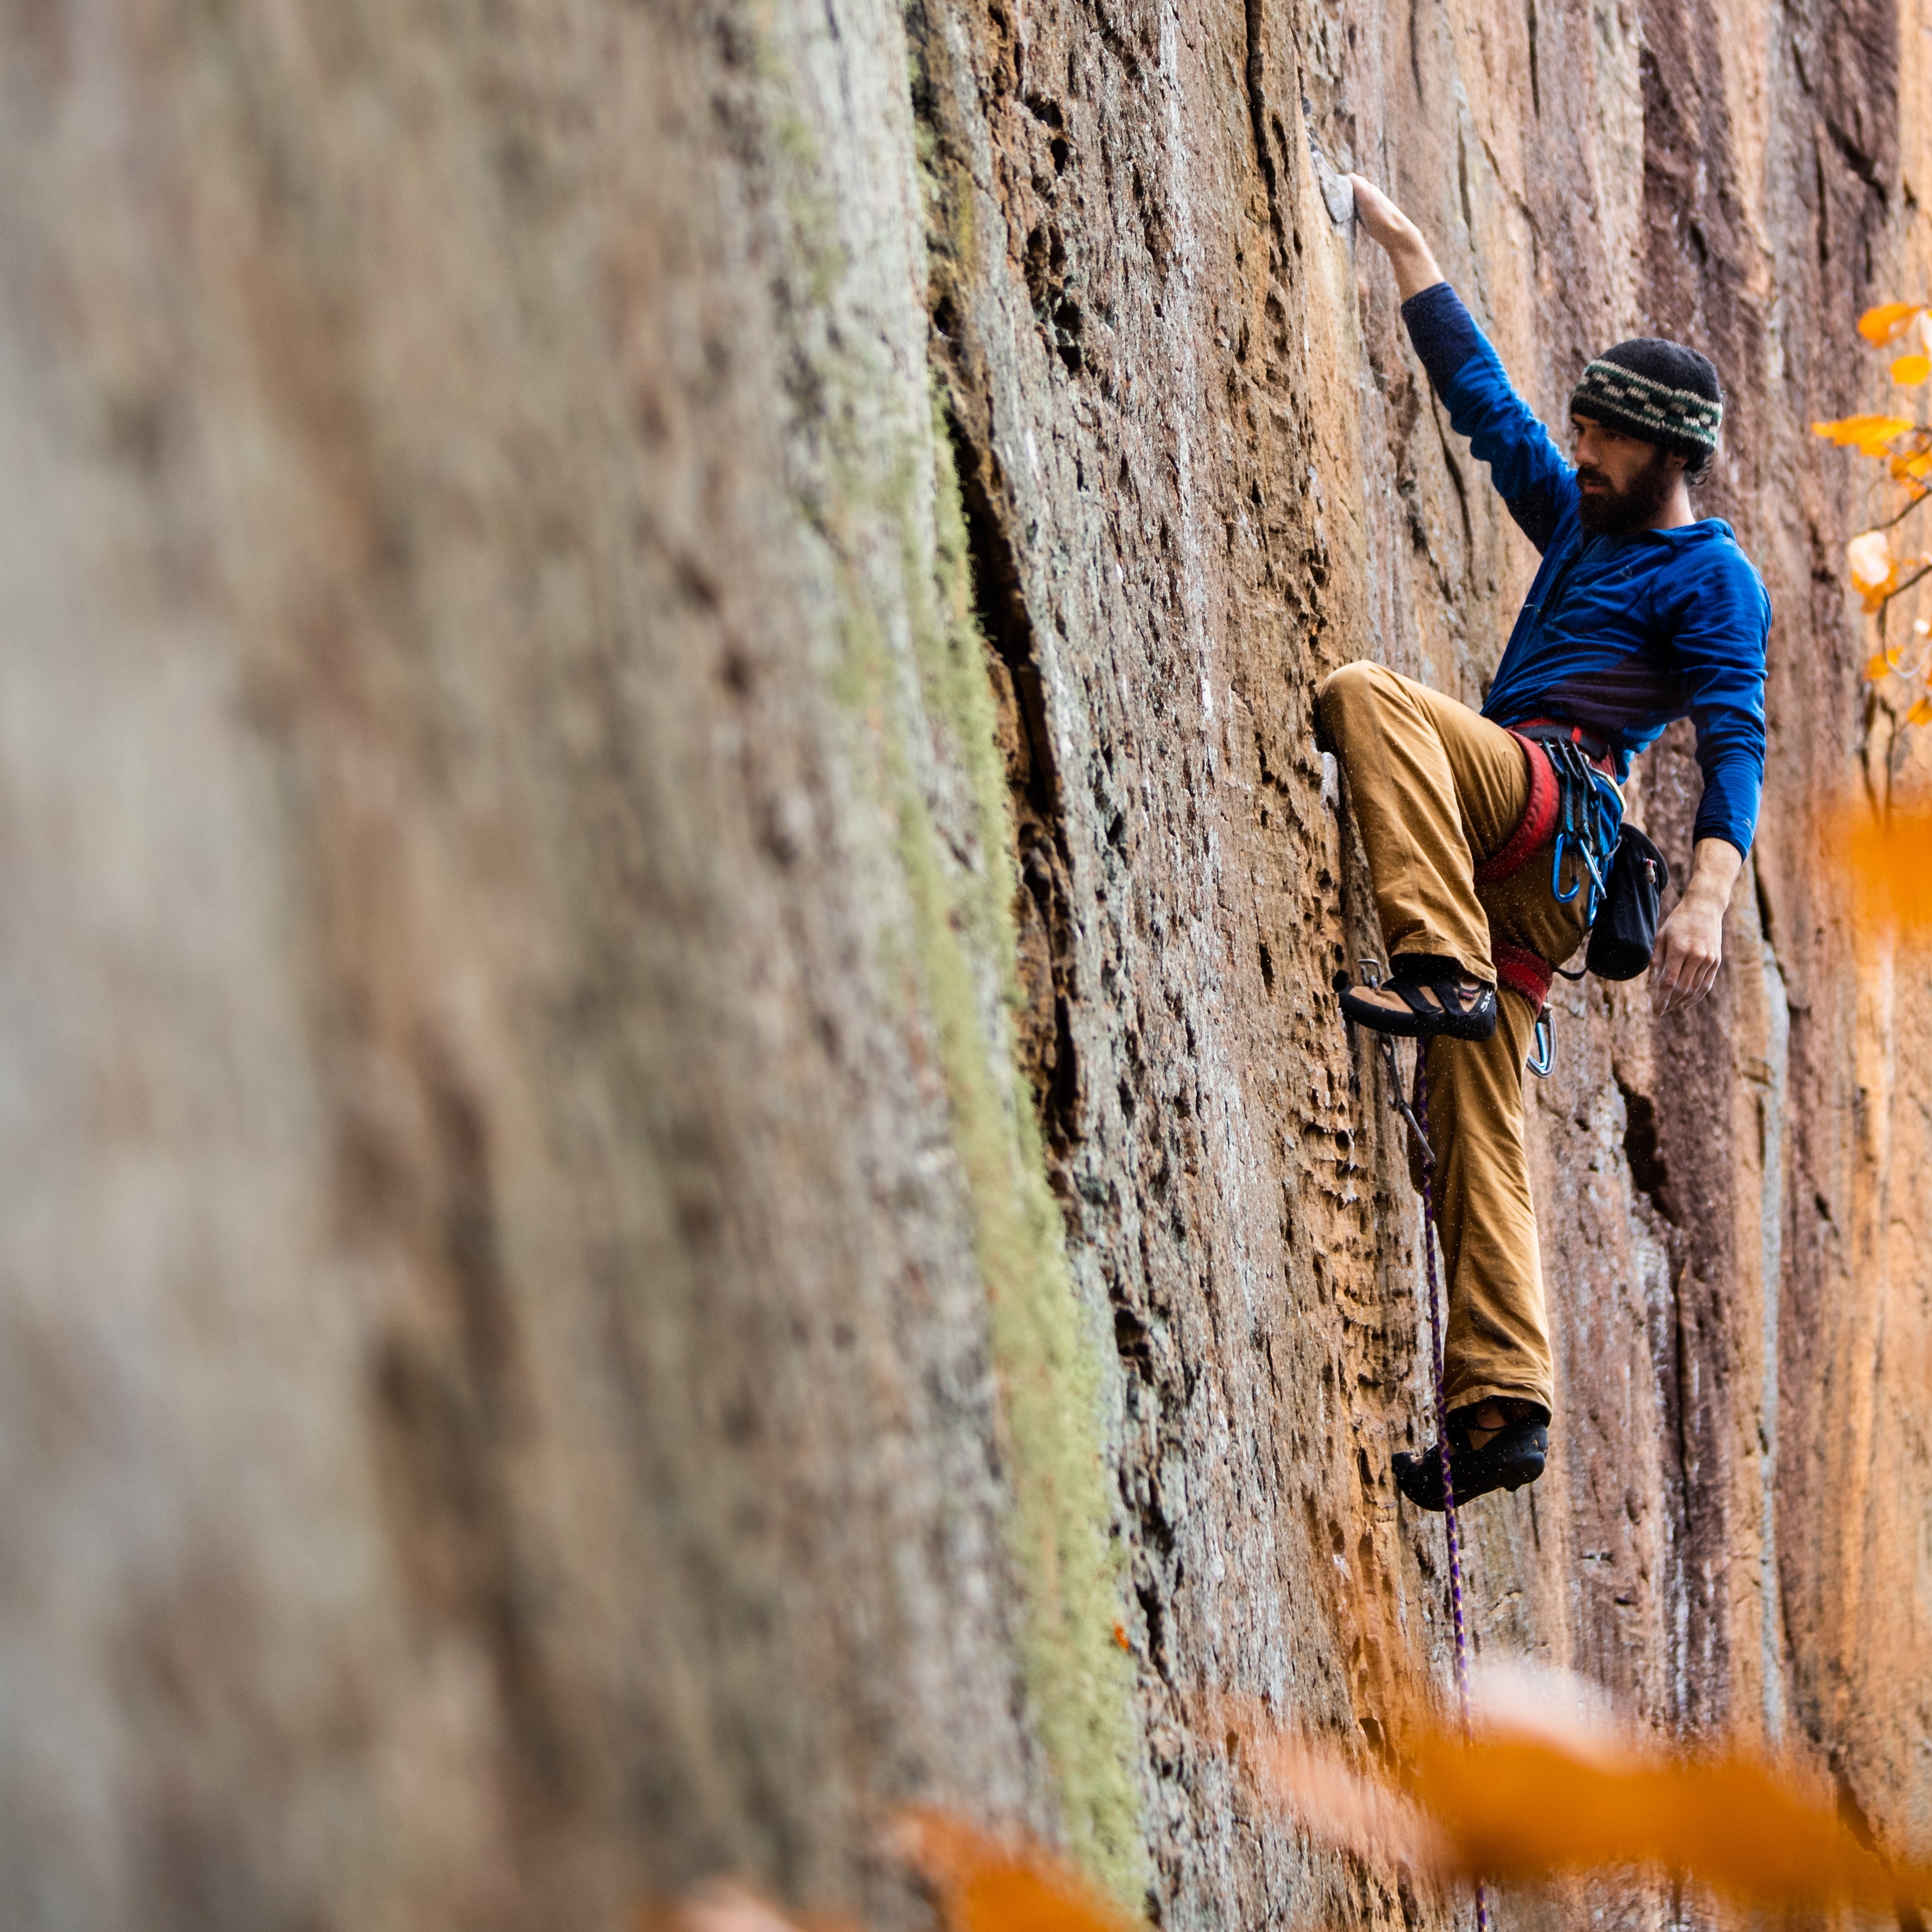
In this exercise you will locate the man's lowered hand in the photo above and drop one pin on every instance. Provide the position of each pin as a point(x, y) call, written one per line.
point(1690, 948)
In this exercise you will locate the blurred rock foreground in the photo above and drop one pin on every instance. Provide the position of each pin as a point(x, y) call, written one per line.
point(677, 1161)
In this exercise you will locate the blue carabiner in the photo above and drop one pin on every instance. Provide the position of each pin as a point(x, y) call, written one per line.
point(1556, 891)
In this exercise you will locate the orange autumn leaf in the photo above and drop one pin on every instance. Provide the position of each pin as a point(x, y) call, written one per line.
point(1519, 1806)
point(1912, 454)
point(1880, 595)
point(1886, 858)
point(1869, 435)
point(1909, 370)
point(1530, 1798)
point(1921, 713)
point(1877, 667)
point(987, 1884)
point(1888, 322)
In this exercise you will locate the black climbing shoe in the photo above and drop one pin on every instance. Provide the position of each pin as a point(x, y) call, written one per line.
point(1513, 1456)
point(1423, 996)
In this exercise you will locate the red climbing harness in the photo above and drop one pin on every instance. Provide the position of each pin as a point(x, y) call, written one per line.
point(1538, 821)
point(1517, 967)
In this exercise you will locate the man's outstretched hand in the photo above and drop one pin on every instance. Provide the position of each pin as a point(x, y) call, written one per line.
point(1690, 948)
point(1409, 254)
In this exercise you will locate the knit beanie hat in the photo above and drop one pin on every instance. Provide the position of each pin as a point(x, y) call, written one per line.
point(1657, 390)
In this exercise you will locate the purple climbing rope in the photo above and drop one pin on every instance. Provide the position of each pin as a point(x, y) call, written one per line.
point(1427, 1164)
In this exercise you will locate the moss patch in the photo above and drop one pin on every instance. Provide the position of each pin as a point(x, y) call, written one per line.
point(960, 943)
point(1079, 1680)
point(925, 733)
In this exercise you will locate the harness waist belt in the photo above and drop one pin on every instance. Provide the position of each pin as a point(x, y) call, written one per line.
point(1598, 751)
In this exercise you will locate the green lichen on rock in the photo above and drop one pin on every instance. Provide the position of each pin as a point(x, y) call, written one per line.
point(961, 941)
point(1078, 1680)
point(927, 756)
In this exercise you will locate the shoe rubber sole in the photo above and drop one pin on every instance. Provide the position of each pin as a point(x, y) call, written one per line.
point(1404, 1025)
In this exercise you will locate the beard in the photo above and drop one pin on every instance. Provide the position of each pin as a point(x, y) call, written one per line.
point(1613, 512)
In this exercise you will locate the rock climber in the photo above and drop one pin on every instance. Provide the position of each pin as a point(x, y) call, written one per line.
point(1641, 613)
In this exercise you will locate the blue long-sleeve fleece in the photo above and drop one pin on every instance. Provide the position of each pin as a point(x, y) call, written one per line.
point(1621, 635)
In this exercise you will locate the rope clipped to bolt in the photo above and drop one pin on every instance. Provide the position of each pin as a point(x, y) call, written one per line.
point(1417, 1119)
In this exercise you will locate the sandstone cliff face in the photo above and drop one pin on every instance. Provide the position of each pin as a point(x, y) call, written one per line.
point(679, 1162)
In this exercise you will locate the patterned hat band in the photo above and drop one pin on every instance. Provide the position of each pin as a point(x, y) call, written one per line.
point(1647, 409)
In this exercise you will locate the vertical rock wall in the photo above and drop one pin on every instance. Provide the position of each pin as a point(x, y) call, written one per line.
point(1258, 449)
point(678, 1161)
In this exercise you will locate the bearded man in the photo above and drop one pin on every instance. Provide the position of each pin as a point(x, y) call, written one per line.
point(1640, 613)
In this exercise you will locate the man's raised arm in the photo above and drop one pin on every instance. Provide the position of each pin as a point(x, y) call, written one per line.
point(1398, 237)
point(1531, 474)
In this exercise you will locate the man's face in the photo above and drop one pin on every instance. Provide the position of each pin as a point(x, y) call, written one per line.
point(1622, 482)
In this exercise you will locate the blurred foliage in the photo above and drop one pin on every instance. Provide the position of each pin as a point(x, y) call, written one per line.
point(1881, 855)
point(1516, 1803)
point(982, 1883)
point(1546, 1786)
point(1880, 570)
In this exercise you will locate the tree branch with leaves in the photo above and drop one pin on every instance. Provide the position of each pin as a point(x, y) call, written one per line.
point(1880, 573)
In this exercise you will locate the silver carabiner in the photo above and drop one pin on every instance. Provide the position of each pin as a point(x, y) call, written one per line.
point(1543, 1046)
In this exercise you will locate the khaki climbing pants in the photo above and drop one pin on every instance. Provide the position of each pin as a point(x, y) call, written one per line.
point(1436, 790)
